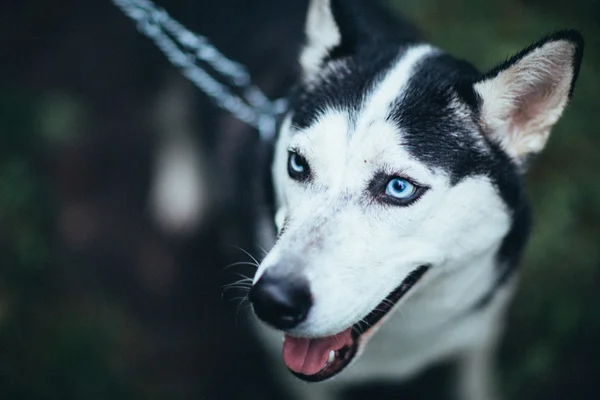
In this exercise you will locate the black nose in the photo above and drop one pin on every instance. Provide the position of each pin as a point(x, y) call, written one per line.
point(281, 301)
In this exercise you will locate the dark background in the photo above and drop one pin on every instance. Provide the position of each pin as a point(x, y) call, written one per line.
point(97, 302)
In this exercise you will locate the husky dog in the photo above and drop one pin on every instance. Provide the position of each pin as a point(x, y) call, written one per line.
point(395, 212)
point(399, 204)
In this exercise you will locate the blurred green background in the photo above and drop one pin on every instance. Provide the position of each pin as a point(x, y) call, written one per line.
point(97, 303)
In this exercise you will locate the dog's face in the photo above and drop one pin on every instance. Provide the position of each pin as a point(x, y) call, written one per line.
point(396, 167)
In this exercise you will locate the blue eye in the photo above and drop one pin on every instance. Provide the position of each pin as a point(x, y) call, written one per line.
point(400, 189)
point(296, 164)
point(298, 167)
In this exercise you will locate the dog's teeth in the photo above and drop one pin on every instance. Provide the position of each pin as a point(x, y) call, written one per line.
point(331, 356)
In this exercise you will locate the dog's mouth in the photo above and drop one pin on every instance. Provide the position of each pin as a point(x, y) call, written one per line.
point(318, 359)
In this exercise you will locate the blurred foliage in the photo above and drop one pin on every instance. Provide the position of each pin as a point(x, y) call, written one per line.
point(38, 345)
point(22, 200)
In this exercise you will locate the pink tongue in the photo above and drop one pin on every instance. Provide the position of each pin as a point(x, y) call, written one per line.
point(308, 356)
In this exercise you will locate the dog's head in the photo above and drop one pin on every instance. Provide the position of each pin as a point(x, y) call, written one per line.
point(397, 168)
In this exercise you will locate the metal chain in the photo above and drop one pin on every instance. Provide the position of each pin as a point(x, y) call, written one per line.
point(184, 49)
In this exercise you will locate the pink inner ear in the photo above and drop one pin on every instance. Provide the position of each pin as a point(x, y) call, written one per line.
point(541, 88)
point(537, 100)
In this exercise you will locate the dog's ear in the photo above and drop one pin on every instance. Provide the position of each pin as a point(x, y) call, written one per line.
point(524, 97)
point(322, 35)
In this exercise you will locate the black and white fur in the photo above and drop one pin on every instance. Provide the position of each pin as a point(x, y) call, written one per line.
point(374, 101)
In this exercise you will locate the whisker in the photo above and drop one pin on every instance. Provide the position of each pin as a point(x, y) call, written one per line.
point(239, 299)
point(241, 263)
point(245, 278)
point(237, 286)
point(241, 282)
point(247, 253)
point(364, 321)
point(265, 252)
point(381, 310)
point(388, 302)
point(244, 299)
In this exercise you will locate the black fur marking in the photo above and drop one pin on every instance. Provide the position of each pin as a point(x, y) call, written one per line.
point(342, 85)
point(284, 227)
point(431, 130)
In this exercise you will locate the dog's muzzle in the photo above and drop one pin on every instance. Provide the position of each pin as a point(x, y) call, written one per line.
point(284, 303)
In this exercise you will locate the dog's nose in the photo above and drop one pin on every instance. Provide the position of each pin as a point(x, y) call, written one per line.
point(281, 301)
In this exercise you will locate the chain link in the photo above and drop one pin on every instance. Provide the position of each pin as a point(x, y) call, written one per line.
point(184, 49)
